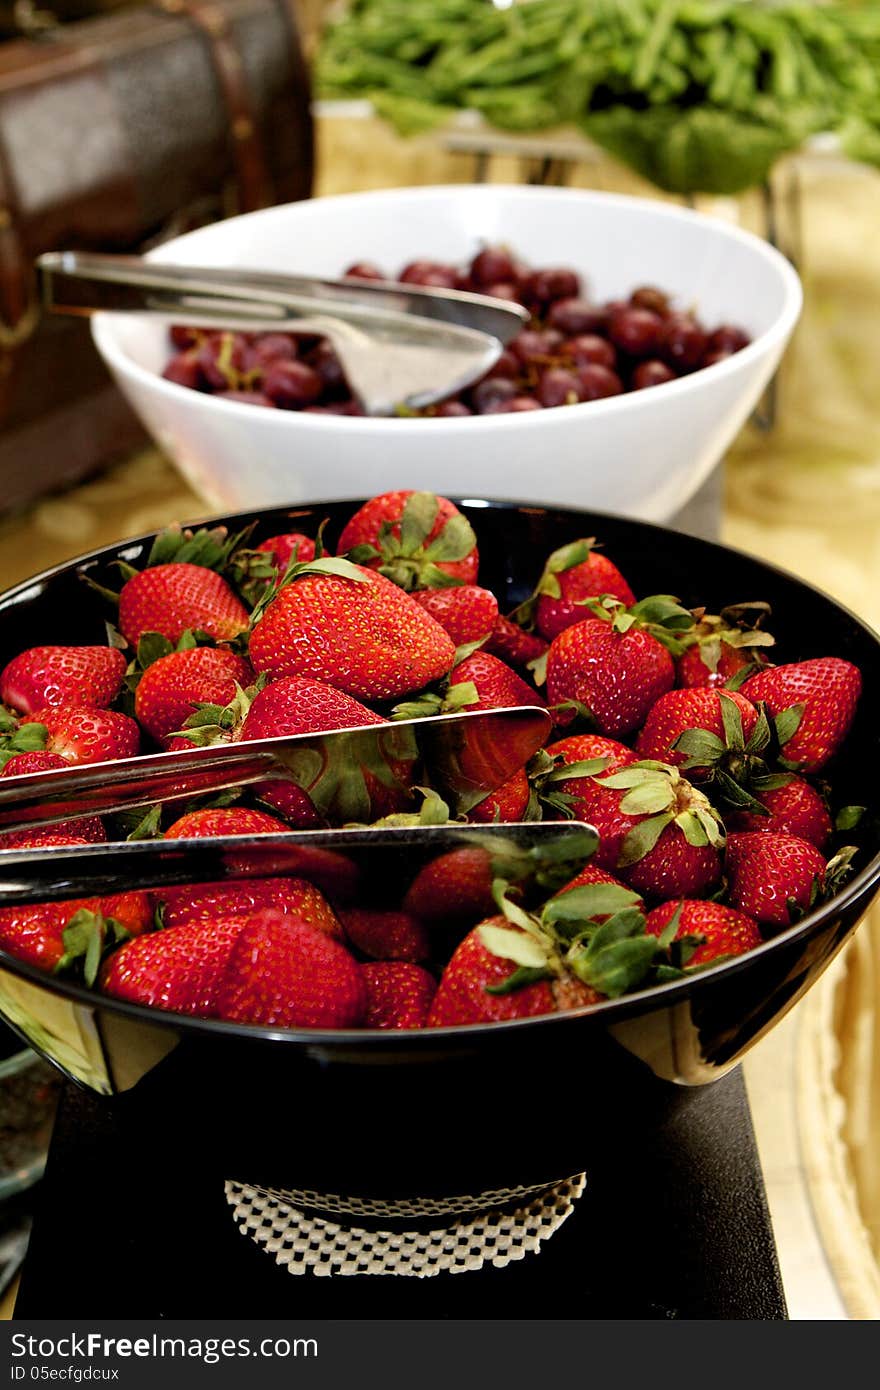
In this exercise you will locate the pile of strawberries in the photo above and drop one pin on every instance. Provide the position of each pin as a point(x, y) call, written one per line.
point(698, 760)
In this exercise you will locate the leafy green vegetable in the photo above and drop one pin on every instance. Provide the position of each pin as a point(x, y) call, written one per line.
point(697, 95)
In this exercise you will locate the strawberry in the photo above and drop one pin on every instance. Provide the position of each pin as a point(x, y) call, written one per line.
point(579, 748)
point(399, 995)
point(572, 574)
point(281, 973)
point(178, 969)
point(817, 699)
point(468, 614)
point(656, 832)
point(385, 935)
point(292, 545)
point(614, 664)
point(352, 628)
point(496, 685)
point(301, 705)
point(224, 820)
point(454, 887)
point(513, 644)
point(43, 676)
point(680, 711)
point(725, 648)
point(561, 771)
point(50, 935)
point(591, 874)
point(416, 539)
point(294, 897)
point(82, 735)
point(793, 807)
point(82, 830)
point(361, 782)
point(463, 995)
point(507, 803)
point(773, 878)
point(170, 688)
point(180, 597)
point(588, 943)
point(254, 572)
point(724, 931)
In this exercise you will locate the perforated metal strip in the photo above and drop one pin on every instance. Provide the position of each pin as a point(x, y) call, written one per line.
point(305, 1243)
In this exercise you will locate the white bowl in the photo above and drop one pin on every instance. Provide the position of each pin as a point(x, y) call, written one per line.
point(642, 453)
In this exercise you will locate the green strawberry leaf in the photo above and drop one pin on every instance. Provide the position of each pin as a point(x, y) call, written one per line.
point(701, 746)
point(587, 902)
point(149, 827)
point(618, 967)
point(455, 542)
point(848, 817)
point(363, 554)
point(152, 646)
point(787, 723)
point(522, 976)
point(648, 799)
point(731, 720)
point(86, 938)
point(641, 839)
point(416, 523)
point(670, 931)
point(520, 947)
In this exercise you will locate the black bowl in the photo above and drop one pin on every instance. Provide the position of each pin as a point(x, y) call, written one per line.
point(468, 1109)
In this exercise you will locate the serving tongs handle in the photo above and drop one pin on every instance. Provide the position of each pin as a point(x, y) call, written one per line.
point(398, 345)
point(88, 282)
point(464, 756)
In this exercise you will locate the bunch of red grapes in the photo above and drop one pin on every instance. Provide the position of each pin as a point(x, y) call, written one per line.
point(572, 350)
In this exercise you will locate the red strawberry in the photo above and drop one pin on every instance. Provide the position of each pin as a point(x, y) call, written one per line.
point(581, 748)
point(726, 932)
point(82, 735)
point(385, 935)
point(353, 629)
point(178, 969)
point(82, 830)
point(359, 783)
point(466, 990)
point(300, 705)
point(34, 932)
point(286, 547)
point(44, 676)
point(590, 874)
point(179, 597)
point(616, 668)
point(170, 688)
point(565, 771)
point(656, 832)
point(399, 995)
point(572, 574)
point(827, 688)
point(507, 803)
point(454, 887)
point(795, 808)
point(513, 644)
point(417, 539)
point(724, 646)
point(224, 820)
point(468, 613)
point(282, 973)
point(496, 685)
point(773, 878)
point(294, 897)
point(679, 711)
point(462, 995)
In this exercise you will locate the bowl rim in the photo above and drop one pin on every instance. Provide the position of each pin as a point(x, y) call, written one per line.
point(866, 881)
point(104, 336)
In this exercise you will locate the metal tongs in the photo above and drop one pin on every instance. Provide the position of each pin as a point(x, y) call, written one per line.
point(399, 345)
point(463, 756)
